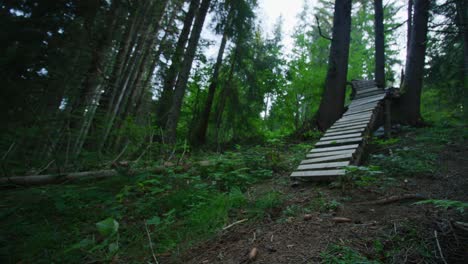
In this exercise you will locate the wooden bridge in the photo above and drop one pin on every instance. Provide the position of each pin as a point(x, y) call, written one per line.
point(344, 142)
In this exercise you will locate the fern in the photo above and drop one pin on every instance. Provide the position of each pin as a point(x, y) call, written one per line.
point(457, 205)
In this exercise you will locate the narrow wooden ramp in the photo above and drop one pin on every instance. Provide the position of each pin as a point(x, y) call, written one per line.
point(344, 142)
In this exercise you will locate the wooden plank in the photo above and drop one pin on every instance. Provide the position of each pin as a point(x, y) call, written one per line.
point(349, 124)
point(341, 137)
point(362, 87)
point(345, 130)
point(367, 98)
point(367, 90)
point(361, 96)
point(367, 106)
point(367, 101)
point(360, 130)
point(339, 141)
point(318, 150)
point(373, 102)
point(354, 113)
point(331, 153)
point(328, 165)
point(351, 117)
point(363, 104)
point(357, 112)
point(346, 121)
point(328, 158)
point(318, 175)
point(337, 129)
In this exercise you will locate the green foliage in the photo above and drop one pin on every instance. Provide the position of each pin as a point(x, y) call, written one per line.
point(406, 162)
point(446, 204)
point(336, 254)
point(357, 176)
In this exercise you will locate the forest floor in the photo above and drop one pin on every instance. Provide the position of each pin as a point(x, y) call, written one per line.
point(187, 216)
point(307, 227)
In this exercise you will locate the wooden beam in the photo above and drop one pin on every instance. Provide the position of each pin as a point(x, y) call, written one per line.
point(350, 124)
point(344, 132)
point(325, 174)
point(331, 153)
point(339, 141)
point(328, 158)
point(327, 165)
point(341, 136)
point(352, 146)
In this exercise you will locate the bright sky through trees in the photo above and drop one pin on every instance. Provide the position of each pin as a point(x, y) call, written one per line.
point(270, 10)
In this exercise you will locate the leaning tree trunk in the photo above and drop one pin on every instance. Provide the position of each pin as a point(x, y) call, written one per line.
point(379, 44)
point(93, 82)
point(176, 63)
point(200, 134)
point(113, 92)
point(412, 85)
point(174, 112)
point(332, 104)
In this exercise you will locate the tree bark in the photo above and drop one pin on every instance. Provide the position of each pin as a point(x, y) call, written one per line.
point(332, 104)
point(379, 44)
point(411, 98)
point(409, 29)
point(462, 12)
point(112, 99)
point(93, 82)
point(200, 134)
point(176, 63)
point(174, 112)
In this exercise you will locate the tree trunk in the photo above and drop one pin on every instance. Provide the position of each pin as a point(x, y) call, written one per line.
point(332, 104)
point(225, 92)
point(462, 12)
point(146, 44)
point(411, 99)
point(409, 29)
point(200, 134)
point(94, 80)
point(174, 112)
point(379, 44)
point(176, 63)
point(114, 91)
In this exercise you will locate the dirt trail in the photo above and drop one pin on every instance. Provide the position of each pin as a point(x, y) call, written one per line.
point(295, 240)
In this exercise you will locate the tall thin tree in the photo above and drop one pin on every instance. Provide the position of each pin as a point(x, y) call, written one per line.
point(332, 104)
point(379, 44)
point(179, 91)
point(176, 64)
point(412, 85)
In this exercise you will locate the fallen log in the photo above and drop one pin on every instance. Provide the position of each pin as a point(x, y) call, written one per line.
point(395, 199)
point(56, 178)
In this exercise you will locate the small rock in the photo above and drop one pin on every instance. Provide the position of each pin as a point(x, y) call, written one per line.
point(307, 217)
point(253, 253)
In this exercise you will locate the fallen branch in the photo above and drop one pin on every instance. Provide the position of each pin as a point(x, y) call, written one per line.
point(438, 247)
point(235, 223)
point(151, 244)
point(396, 198)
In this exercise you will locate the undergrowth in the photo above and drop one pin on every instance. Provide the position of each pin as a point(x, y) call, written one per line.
point(111, 220)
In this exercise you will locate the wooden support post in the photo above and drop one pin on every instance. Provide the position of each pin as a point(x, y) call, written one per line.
point(387, 117)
